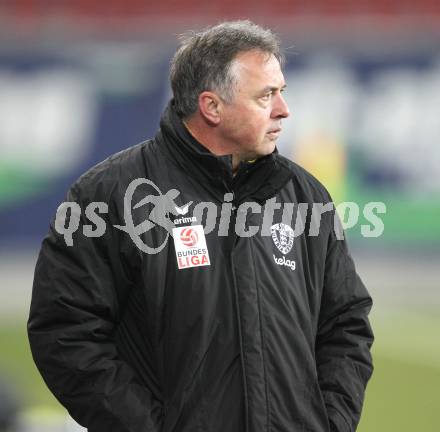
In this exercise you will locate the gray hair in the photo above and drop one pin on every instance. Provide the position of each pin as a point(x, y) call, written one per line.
point(204, 59)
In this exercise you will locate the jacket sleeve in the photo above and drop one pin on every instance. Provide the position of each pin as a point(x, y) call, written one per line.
point(78, 294)
point(344, 339)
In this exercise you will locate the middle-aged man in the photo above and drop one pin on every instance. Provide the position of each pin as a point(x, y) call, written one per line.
point(227, 329)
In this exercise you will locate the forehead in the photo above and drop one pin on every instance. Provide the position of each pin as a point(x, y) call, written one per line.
point(257, 69)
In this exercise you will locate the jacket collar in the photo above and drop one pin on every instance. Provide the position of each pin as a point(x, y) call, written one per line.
point(257, 180)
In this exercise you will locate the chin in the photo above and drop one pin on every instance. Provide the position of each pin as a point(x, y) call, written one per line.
point(268, 148)
point(264, 149)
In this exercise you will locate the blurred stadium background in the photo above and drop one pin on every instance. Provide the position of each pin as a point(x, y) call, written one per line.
point(80, 80)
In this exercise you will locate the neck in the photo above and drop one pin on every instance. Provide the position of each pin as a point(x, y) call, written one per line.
point(210, 140)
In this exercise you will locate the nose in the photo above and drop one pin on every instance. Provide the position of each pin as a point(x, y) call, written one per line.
point(280, 108)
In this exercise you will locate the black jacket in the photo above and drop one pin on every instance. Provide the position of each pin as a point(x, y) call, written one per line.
point(128, 342)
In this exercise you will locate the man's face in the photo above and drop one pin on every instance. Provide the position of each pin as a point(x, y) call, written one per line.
point(251, 122)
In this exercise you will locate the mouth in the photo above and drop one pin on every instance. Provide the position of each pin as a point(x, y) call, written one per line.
point(274, 132)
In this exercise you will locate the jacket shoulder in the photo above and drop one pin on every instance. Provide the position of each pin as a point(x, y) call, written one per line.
point(114, 172)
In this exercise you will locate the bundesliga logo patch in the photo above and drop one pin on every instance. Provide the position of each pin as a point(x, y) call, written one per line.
point(190, 246)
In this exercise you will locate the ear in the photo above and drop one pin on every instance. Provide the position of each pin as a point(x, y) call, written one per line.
point(210, 107)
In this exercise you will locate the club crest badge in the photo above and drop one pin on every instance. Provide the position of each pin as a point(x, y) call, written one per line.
point(282, 236)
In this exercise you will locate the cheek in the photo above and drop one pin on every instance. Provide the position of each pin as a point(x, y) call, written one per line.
point(258, 120)
point(250, 125)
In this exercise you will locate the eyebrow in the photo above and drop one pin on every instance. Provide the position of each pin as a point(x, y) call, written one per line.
point(273, 88)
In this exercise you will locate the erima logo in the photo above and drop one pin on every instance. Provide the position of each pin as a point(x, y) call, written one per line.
point(185, 220)
point(182, 210)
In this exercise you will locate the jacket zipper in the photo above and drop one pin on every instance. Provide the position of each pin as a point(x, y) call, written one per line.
point(240, 335)
point(237, 306)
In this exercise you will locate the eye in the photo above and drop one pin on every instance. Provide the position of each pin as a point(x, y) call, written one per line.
point(266, 97)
